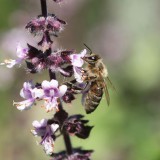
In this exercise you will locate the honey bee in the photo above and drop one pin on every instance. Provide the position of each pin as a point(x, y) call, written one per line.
point(96, 77)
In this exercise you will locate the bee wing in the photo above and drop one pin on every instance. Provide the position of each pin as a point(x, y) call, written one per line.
point(110, 84)
point(106, 89)
point(106, 92)
point(84, 93)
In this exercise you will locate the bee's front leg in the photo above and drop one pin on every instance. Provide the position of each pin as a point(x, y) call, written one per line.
point(86, 77)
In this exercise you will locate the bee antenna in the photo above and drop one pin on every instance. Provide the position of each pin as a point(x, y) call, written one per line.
point(88, 48)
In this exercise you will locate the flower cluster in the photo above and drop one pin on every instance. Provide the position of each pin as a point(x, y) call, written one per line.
point(47, 132)
point(74, 125)
point(50, 92)
point(42, 25)
point(66, 62)
point(46, 26)
point(47, 128)
point(69, 64)
point(21, 55)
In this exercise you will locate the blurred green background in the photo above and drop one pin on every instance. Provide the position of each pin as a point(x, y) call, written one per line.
point(126, 34)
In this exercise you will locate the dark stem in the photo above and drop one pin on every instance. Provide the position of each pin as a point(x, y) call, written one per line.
point(52, 75)
point(44, 7)
point(68, 144)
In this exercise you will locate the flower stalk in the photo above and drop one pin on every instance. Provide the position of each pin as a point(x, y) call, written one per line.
point(53, 94)
point(67, 142)
point(52, 75)
point(66, 137)
point(44, 7)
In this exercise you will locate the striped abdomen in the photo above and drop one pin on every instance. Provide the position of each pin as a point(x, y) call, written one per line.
point(93, 97)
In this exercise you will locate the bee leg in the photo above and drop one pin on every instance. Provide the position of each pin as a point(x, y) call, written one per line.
point(73, 87)
point(86, 86)
point(87, 78)
point(91, 78)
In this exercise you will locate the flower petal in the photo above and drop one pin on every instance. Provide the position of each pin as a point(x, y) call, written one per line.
point(77, 74)
point(45, 84)
point(26, 91)
point(39, 127)
point(76, 59)
point(26, 94)
point(83, 53)
point(48, 145)
point(21, 52)
point(42, 123)
point(24, 105)
point(62, 90)
point(54, 83)
point(54, 127)
point(50, 104)
point(37, 93)
point(28, 85)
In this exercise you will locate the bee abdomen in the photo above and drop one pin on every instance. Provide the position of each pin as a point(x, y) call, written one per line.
point(93, 98)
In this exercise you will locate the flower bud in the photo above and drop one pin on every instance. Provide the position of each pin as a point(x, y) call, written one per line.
point(74, 125)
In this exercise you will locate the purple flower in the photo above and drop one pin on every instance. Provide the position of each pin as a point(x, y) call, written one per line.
point(41, 24)
point(46, 42)
point(21, 54)
point(30, 93)
point(36, 59)
point(48, 145)
point(46, 26)
point(54, 24)
point(59, 61)
point(36, 25)
point(78, 74)
point(77, 62)
point(56, 61)
point(51, 94)
point(46, 131)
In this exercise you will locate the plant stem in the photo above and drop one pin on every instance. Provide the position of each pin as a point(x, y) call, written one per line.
point(44, 7)
point(67, 142)
point(66, 137)
point(52, 75)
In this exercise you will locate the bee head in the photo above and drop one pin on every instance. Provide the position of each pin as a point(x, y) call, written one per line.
point(91, 59)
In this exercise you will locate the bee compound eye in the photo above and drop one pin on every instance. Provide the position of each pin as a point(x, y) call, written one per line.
point(93, 57)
